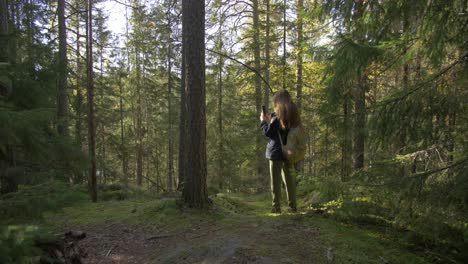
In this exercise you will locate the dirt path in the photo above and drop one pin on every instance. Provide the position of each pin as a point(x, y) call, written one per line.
point(245, 239)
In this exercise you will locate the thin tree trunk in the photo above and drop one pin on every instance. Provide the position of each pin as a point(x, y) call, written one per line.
point(91, 118)
point(346, 144)
point(79, 95)
point(284, 44)
point(139, 129)
point(360, 123)
point(260, 166)
point(122, 135)
point(183, 137)
point(193, 18)
point(103, 126)
point(170, 159)
point(266, 90)
point(13, 25)
point(4, 31)
point(299, 59)
point(360, 95)
point(62, 111)
point(220, 114)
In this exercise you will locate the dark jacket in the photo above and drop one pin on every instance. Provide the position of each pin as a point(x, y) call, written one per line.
point(270, 130)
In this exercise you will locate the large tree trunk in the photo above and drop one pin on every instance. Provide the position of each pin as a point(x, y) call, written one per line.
point(193, 18)
point(62, 111)
point(92, 182)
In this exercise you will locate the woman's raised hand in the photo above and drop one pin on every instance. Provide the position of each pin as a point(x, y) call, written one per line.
point(264, 117)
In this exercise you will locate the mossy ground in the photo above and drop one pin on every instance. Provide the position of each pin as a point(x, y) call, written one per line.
point(238, 228)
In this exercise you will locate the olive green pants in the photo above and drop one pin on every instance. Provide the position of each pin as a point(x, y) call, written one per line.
point(282, 169)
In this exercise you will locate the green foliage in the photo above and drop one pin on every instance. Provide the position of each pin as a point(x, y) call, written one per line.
point(17, 244)
point(119, 192)
point(31, 202)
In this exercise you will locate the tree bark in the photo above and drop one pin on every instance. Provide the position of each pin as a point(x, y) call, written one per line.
point(360, 93)
point(139, 128)
point(300, 51)
point(170, 159)
point(183, 137)
point(260, 164)
point(360, 124)
point(122, 135)
point(79, 95)
point(284, 44)
point(266, 90)
point(62, 111)
point(92, 182)
point(4, 31)
point(193, 18)
point(220, 113)
point(346, 143)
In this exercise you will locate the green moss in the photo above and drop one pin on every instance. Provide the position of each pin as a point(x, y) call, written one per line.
point(350, 244)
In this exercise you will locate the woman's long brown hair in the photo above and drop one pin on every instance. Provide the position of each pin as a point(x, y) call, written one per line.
point(286, 110)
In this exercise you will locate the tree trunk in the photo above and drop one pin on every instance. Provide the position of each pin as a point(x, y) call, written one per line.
point(92, 182)
point(193, 18)
point(122, 135)
point(266, 90)
point(62, 111)
point(139, 128)
point(102, 119)
point(8, 172)
point(346, 144)
point(4, 32)
point(299, 59)
point(360, 123)
point(170, 158)
point(183, 137)
point(284, 45)
point(79, 95)
point(360, 93)
point(260, 165)
point(220, 113)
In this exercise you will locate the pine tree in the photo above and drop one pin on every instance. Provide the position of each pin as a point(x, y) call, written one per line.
point(194, 186)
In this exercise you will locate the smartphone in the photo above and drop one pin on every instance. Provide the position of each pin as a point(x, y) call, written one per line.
point(264, 110)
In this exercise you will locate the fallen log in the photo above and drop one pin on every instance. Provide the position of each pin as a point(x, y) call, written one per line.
point(63, 249)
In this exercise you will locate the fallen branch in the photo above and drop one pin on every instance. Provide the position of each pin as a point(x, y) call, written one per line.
point(160, 236)
point(243, 64)
point(110, 250)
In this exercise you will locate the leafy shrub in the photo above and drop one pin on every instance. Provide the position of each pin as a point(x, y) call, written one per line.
point(30, 202)
point(119, 192)
point(17, 244)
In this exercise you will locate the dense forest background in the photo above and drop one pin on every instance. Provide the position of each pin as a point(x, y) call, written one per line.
point(381, 85)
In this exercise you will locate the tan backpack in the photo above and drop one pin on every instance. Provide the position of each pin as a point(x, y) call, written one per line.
point(296, 144)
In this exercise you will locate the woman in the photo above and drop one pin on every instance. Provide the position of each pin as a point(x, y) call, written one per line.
point(286, 116)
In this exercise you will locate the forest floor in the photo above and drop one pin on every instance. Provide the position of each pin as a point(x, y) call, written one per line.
point(237, 229)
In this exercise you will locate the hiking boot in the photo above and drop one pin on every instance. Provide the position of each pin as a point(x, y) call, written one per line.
point(292, 209)
point(276, 210)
